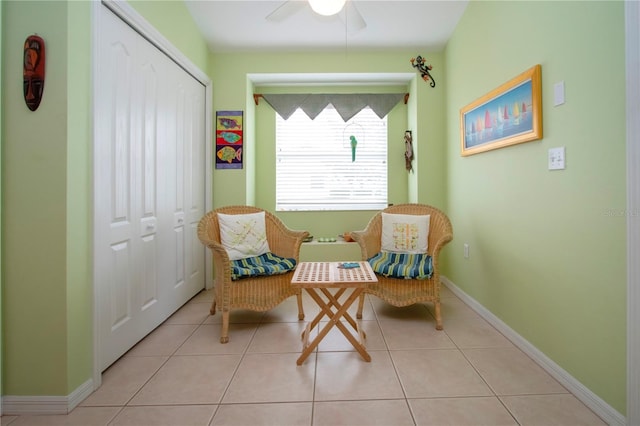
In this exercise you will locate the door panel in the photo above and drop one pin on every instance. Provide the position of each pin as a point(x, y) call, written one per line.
point(148, 110)
point(121, 302)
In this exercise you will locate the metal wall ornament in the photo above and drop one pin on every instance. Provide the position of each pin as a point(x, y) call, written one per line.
point(33, 71)
point(354, 144)
point(408, 150)
point(420, 64)
point(356, 135)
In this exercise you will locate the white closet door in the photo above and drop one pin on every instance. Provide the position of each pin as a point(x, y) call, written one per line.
point(149, 187)
point(184, 179)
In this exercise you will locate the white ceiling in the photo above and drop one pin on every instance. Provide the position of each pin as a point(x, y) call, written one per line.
point(241, 25)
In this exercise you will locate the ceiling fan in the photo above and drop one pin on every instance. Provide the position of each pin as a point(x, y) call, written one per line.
point(344, 9)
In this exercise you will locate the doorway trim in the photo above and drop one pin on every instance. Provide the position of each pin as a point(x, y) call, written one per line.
point(632, 58)
point(144, 28)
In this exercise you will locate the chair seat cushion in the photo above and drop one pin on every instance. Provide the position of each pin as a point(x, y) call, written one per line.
point(402, 265)
point(265, 264)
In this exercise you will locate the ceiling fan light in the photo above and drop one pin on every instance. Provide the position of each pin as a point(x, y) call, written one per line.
point(327, 7)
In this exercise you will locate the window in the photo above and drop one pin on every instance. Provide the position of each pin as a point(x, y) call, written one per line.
point(314, 167)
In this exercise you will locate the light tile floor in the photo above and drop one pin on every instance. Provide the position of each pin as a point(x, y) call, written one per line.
point(467, 374)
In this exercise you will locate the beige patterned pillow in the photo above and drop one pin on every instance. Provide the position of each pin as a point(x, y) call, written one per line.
point(405, 233)
point(243, 235)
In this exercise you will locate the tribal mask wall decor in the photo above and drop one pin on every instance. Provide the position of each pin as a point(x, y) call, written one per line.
point(33, 72)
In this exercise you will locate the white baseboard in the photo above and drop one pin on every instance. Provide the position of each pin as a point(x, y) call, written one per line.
point(21, 405)
point(80, 394)
point(590, 399)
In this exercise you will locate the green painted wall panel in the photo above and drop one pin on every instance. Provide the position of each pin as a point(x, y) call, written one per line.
point(173, 21)
point(79, 198)
point(1, 144)
point(34, 206)
point(547, 247)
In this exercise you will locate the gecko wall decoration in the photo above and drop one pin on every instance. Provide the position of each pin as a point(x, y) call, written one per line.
point(420, 64)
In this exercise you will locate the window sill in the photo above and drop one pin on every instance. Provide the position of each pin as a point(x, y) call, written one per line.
point(339, 240)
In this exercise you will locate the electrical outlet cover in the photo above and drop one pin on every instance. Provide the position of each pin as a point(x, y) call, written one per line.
point(556, 158)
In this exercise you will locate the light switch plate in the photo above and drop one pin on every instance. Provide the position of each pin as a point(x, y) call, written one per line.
point(556, 158)
point(558, 93)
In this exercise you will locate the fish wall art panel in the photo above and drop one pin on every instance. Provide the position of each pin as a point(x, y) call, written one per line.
point(229, 139)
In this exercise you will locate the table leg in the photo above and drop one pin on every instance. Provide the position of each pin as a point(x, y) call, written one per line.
point(334, 302)
point(324, 307)
point(305, 336)
point(356, 343)
point(334, 319)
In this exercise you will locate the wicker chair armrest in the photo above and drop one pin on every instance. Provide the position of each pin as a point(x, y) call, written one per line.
point(218, 250)
point(442, 241)
point(207, 241)
point(435, 251)
point(368, 241)
point(283, 241)
point(221, 270)
point(287, 242)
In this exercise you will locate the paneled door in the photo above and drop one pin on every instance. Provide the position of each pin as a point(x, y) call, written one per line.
point(149, 162)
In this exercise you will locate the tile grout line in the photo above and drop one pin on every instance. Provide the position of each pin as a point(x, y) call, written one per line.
point(235, 371)
point(126, 404)
point(395, 369)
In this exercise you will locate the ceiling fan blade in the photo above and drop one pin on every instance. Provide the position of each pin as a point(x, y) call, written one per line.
point(285, 10)
point(353, 18)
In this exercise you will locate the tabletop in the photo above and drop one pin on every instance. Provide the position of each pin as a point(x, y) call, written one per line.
point(333, 274)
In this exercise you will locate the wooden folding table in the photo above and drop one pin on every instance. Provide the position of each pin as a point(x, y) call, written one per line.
point(322, 276)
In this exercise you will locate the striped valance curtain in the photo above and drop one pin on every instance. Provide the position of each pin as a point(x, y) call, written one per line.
point(347, 105)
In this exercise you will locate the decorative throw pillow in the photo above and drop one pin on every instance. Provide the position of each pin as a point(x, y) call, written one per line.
point(405, 233)
point(243, 235)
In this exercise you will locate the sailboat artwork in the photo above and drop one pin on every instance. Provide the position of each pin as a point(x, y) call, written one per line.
point(494, 121)
point(508, 115)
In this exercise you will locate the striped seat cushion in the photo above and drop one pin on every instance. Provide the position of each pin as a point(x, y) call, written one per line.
point(402, 265)
point(265, 264)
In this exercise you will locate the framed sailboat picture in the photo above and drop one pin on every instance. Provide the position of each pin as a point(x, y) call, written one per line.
point(508, 115)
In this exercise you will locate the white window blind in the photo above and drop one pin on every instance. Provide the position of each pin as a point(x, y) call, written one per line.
point(314, 167)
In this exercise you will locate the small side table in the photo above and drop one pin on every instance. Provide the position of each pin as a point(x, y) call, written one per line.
point(319, 277)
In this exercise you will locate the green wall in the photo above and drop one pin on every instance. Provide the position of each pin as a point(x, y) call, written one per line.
point(46, 272)
point(34, 206)
point(255, 184)
point(47, 283)
point(173, 21)
point(1, 144)
point(79, 189)
point(547, 248)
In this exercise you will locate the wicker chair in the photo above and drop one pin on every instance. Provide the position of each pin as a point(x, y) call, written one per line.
point(405, 292)
point(258, 293)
